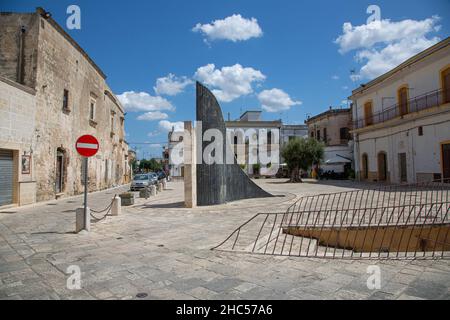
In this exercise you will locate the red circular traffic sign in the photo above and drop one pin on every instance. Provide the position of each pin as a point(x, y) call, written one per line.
point(87, 145)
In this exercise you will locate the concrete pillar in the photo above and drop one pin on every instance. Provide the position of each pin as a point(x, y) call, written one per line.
point(190, 166)
point(83, 220)
point(153, 190)
point(116, 208)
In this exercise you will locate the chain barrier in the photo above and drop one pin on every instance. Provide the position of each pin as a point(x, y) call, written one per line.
point(107, 209)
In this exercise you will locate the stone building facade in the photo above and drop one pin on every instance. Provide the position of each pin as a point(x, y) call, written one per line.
point(61, 94)
point(333, 128)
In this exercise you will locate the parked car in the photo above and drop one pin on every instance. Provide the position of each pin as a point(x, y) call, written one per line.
point(144, 180)
point(161, 175)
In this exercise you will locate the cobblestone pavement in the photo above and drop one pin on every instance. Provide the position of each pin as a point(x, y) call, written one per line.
point(162, 249)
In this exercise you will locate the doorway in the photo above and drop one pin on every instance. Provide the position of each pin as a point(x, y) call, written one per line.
point(6, 177)
point(445, 150)
point(403, 100)
point(382, 166)
point(60, 172)
point(365, 167)
point(402, 167)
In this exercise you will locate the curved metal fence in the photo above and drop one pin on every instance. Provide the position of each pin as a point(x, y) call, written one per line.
point(377, 222)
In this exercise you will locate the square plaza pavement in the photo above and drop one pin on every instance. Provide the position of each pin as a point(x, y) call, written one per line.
point(159, 248)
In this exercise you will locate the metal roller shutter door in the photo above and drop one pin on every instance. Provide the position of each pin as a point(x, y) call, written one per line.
point(6, 177)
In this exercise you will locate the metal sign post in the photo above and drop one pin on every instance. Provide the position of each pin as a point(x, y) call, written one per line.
point(86, 159)
point(87, 146)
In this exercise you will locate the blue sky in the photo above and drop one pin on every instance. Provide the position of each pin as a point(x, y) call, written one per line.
point(281, 56)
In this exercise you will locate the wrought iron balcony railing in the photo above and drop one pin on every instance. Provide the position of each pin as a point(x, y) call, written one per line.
point(419, 103)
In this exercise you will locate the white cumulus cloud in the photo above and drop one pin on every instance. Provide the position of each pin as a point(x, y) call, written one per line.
point(380, 61)
point(153, 115)
point(171, 85)
point(229, 83)
point(142, 101)
point(276, 100)
point(165, 125)
point(234, 28)
point(383, 44)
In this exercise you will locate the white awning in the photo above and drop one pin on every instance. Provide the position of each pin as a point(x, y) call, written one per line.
point(337, 160)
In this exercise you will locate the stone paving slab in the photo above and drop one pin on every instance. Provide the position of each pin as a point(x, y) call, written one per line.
point(162, 249)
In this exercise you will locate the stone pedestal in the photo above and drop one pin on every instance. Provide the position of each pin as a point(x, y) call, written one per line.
point(82, 219)
point(127, 199)
point(190, 166)
point(152, 191)
point(116, 208)
point(144, 193)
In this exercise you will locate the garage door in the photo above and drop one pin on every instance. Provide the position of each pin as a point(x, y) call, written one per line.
point(6, 177)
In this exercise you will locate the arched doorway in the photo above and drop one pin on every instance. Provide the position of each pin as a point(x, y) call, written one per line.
point(365, 166)
point(61, 160)
point(382, 166)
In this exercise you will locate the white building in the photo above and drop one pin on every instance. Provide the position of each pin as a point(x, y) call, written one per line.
point(332, 127)
point(251, 122)
point(402, 120)
point(292, 131)
point(175, 170)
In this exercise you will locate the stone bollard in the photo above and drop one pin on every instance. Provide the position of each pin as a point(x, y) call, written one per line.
point(160, 187)
point(153, 190)
point(82, 221)
point(144, 193)
point(127, 199)
point(164, 184)
point(116, 208)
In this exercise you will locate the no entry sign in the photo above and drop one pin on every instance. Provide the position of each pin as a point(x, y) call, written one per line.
point(87, 145)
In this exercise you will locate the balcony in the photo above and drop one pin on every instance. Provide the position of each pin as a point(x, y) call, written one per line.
point(426, 101)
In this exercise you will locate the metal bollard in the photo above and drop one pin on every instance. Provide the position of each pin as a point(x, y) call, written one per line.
point(83, 220)
point(116, 208)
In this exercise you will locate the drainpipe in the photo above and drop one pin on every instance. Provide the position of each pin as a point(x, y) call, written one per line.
point(20, 57)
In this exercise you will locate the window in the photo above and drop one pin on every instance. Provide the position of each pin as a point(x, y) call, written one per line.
point(420, 131)
point(235, 140)
point(344, 133)
point(403, 100)
point(312, 134)
point(445, 79)
point(325, 137)
point(92, 109)
point(66, 100)
point(318, 135)
point(269, 137)
point(112, 123)
point(368, 115)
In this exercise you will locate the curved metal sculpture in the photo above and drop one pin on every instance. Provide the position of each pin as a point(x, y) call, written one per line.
point(219, 183)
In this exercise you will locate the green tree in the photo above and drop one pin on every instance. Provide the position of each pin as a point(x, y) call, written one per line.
point(301, 154)
point(150, 165)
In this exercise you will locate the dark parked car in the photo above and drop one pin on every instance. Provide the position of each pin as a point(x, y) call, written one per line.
point(161, 175)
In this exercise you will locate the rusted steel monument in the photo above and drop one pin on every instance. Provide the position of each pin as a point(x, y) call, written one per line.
point(219, 183)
